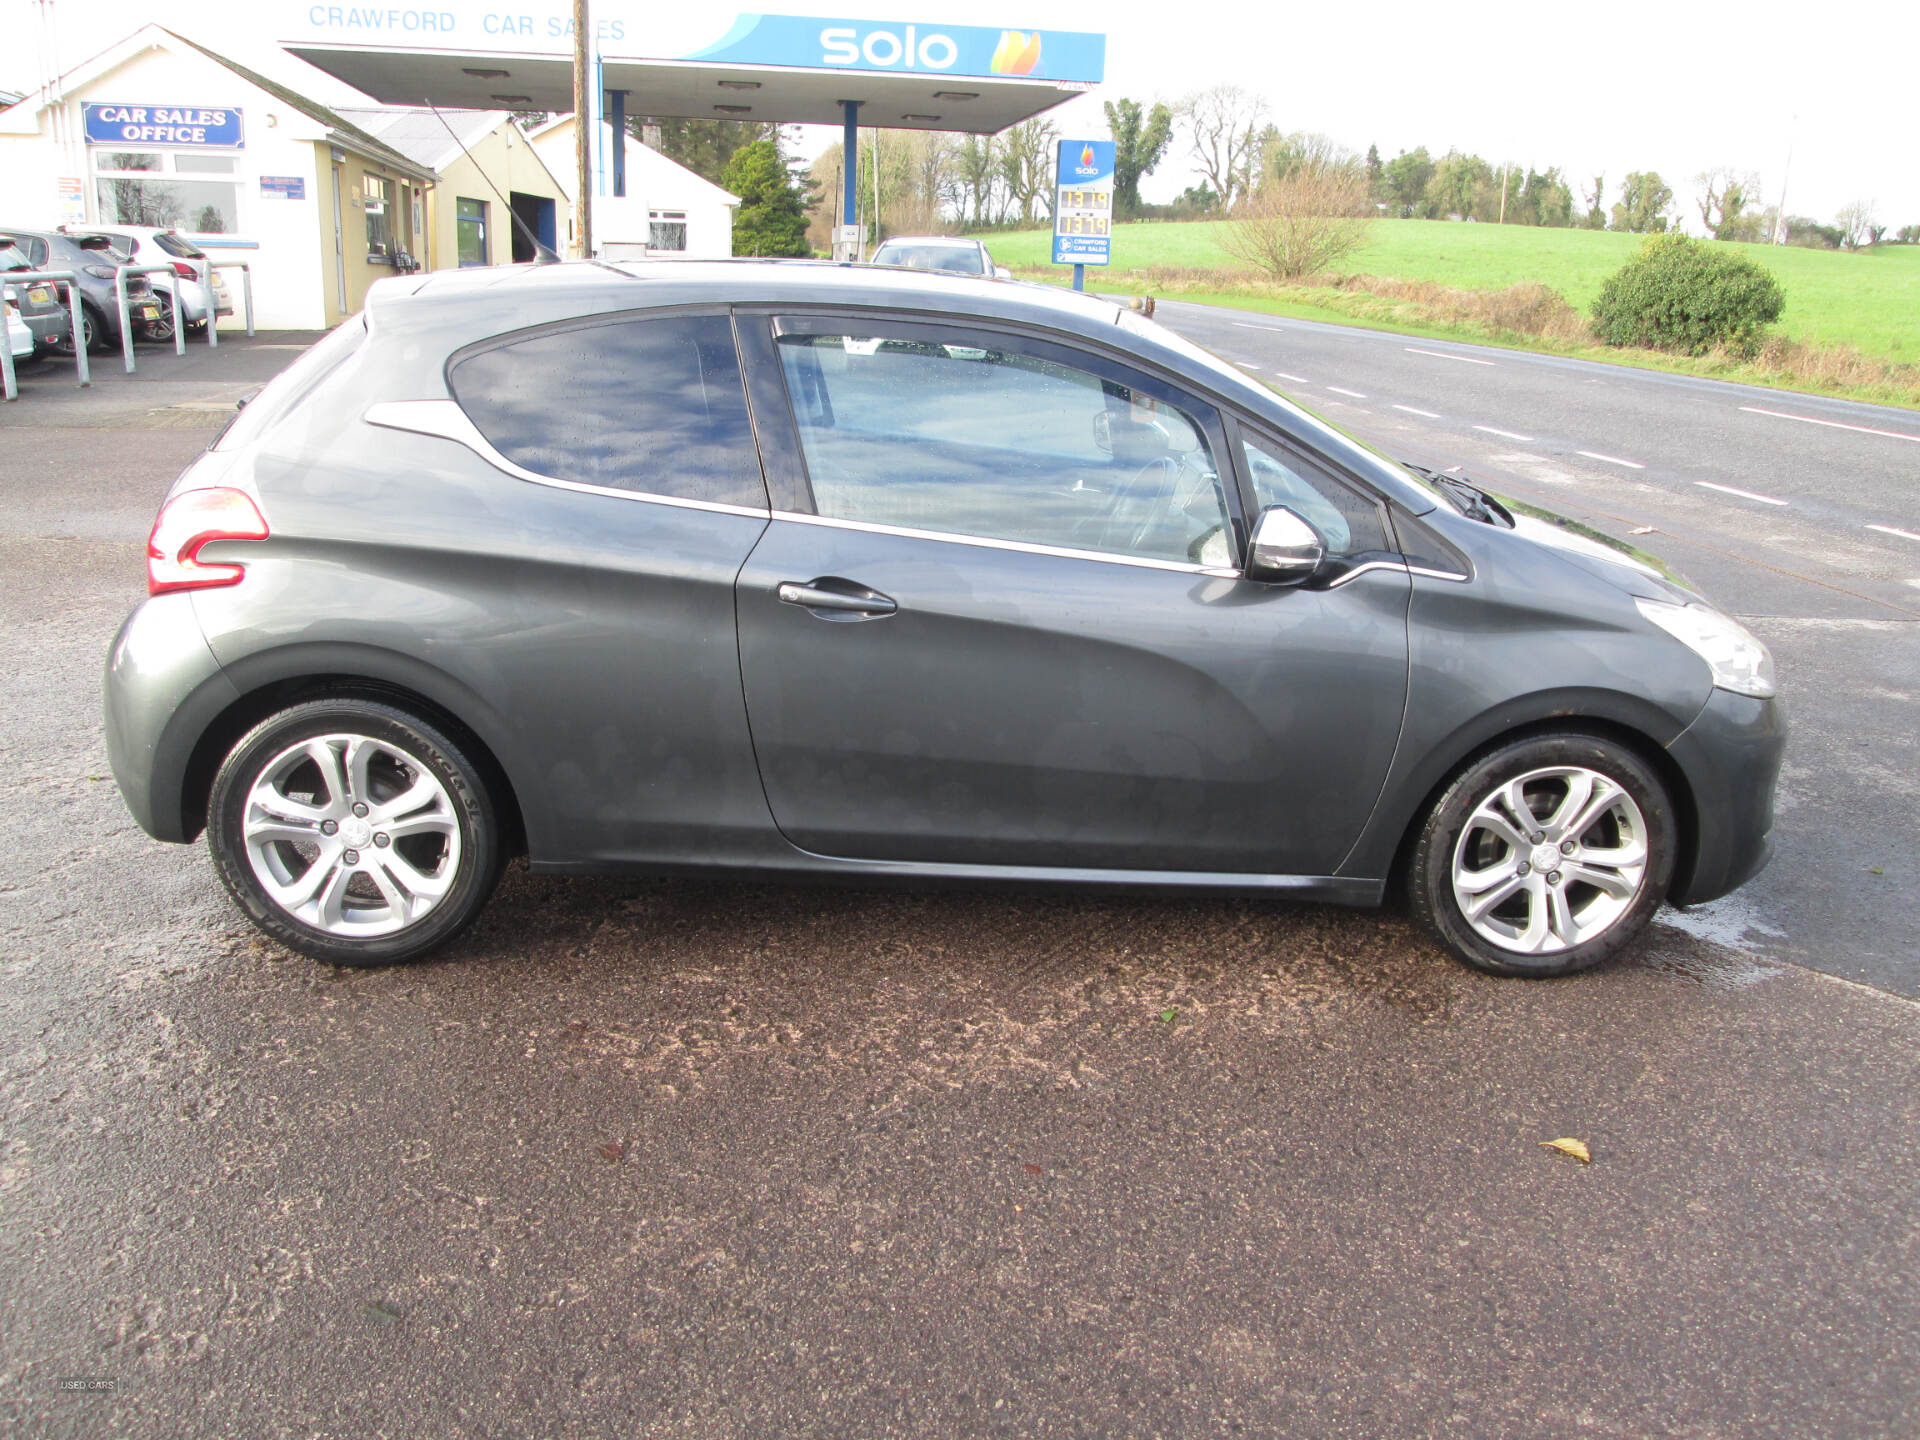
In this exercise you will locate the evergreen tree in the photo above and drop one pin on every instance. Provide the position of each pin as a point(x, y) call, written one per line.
point(772, 218)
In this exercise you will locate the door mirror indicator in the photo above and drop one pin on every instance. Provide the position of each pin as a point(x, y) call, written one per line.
point(1286, 549)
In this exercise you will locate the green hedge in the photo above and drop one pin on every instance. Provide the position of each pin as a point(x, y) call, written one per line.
point(1688, 296)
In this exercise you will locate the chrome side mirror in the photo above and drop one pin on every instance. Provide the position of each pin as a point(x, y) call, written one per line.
point(1286, 549)
point(1000, 272)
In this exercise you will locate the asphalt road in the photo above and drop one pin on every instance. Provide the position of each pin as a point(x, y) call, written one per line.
point(1820, 556)
point(716, 1160)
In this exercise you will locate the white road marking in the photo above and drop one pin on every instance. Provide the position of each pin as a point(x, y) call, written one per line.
point(1356, 394)
point(1743, 494)
point(1411, 411)
point(1296, 379)
point(1611, 459)
point(1504, 434)
point(1245, 366)
point(1831, 424)
point(1248, 325)
point(1443, 355)
point(1889, 530)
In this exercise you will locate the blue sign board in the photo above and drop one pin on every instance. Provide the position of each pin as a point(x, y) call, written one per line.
point(1083, 203)
point(813, 42)
point(190, 125)
point(284, 187)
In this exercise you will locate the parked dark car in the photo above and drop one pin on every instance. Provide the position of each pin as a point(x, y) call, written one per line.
point(826, 570)
point(38, 303)
point(95, 259)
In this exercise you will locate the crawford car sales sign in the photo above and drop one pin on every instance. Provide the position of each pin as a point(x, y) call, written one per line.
point(163, 125)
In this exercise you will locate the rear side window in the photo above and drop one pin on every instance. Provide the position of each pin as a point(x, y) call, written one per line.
point(653, 406)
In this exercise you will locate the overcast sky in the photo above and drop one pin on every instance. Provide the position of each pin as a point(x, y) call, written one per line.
point(1670, 85)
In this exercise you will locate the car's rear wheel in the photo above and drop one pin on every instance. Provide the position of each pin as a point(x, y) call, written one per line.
point(89, 331)
point(161, 326)
point(353, 832)
point(1545, 857)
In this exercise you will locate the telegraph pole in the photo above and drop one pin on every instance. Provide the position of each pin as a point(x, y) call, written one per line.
point(583, 114)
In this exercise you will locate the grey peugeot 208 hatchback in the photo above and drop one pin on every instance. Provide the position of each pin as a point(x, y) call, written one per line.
point(776, 567)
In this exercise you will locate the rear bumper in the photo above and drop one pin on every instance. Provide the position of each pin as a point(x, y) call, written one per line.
point(164, 690)
point(1730, 756)
point(49, 327)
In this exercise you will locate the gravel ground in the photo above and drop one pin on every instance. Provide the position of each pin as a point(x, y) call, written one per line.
point(703, 1159)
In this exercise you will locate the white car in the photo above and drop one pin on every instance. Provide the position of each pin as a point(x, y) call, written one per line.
point(951, 253)
point(19, 336)
point(195, 283)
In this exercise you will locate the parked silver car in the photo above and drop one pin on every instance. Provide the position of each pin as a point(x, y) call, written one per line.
point(954, 254)
point(899, 577)
point(194, 288)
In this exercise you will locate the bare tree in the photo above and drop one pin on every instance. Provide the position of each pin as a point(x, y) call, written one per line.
point(1224, 134)
point(1857, 224)
point(1299, 223)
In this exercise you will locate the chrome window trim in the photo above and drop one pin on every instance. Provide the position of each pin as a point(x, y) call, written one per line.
point(445, 420)
point(1400, 567)
point(1021, 547)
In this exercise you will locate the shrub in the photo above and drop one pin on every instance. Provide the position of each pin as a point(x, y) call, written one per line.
point(1687, 296)
point(1300, 223)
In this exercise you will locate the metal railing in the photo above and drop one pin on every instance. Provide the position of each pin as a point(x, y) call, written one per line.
point(126, 321)
point(213, 301)
point(78, 335)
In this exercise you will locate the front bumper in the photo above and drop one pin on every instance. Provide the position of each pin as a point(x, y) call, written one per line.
point(164, 690)
point(1730, 757)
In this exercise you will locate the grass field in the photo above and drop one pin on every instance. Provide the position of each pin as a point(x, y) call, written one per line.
point(1869, 300)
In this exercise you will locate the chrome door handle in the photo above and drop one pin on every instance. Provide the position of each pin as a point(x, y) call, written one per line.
point(813, 597)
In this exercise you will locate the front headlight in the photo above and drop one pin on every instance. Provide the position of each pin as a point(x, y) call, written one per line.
point(1739, 661)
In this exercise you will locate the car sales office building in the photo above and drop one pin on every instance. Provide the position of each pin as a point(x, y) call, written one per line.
point(162, 127)
point(159, 131)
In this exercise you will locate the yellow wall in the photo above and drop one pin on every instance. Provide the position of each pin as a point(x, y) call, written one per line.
point(505, 158)
point(361, 271)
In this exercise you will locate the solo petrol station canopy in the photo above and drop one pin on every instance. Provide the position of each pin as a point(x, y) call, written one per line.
point(790, 69)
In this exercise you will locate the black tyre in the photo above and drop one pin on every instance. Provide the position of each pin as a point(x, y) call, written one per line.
point(1545, 857)
point(90, 330)
point(160, 329)
point(353, 832)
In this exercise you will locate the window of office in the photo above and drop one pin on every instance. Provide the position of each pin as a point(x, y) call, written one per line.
point(167, 189)
point(377, 193)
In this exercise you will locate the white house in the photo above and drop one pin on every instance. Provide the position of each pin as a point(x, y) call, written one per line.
point(159, 130)
point(667, 210)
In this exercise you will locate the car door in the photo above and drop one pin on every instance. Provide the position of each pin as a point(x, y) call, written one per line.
point(1004, 621)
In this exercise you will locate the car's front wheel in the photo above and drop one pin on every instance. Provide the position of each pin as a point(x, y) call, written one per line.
point(1546, 856)
point(354, 832)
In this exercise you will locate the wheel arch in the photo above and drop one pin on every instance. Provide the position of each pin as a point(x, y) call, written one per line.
point(1469, 747)
point(274, 681)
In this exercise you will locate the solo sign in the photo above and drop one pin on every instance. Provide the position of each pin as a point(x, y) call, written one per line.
point(163, 125)
point(1083, 203)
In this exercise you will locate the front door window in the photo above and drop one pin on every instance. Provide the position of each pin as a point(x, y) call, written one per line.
point(954, 433)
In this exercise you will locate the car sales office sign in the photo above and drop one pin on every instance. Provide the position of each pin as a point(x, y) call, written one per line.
point(1083, 203)
point(189, 125)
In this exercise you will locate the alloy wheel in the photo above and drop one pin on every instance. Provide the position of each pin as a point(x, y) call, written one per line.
point(351, 835)
point(1550, 860)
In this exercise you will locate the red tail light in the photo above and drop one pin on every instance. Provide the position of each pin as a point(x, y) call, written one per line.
point(189, 520)
point(185, 271)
